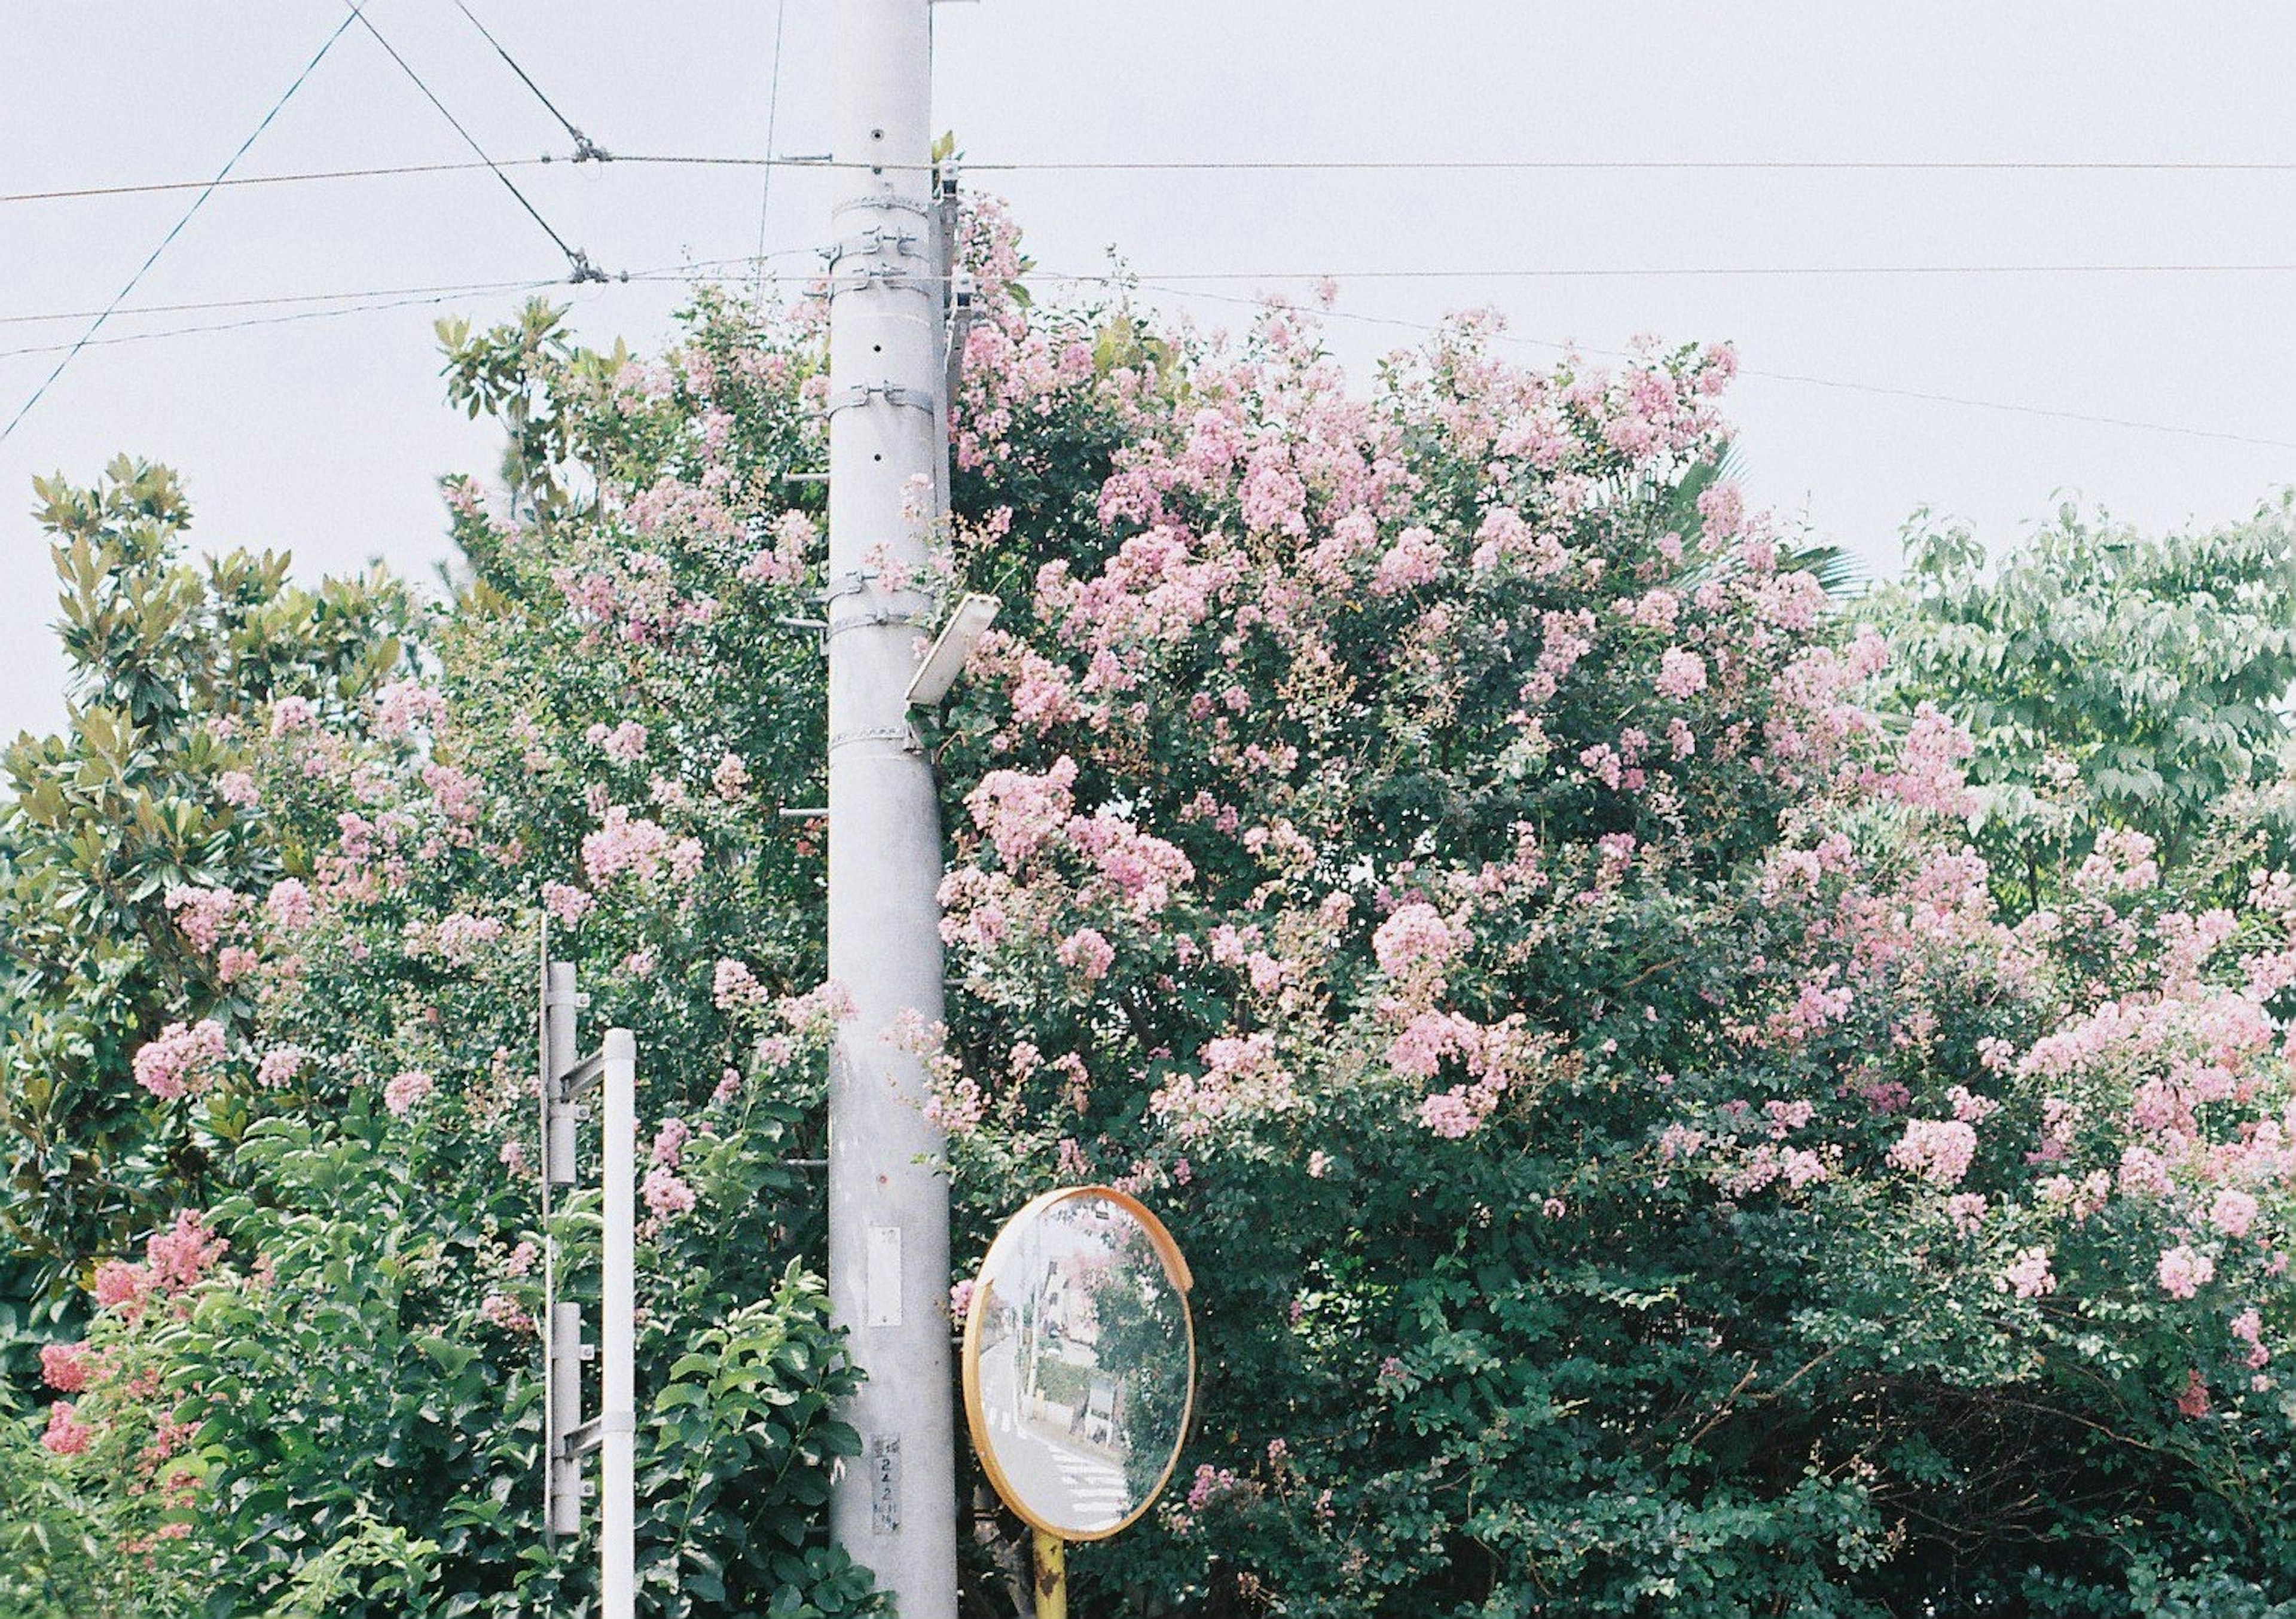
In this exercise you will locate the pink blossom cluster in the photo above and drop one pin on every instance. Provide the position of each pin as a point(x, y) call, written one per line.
point(181, 1060)
point(407, 1090)
point(403, 705)
point(628, 843)
point(1939, 1150)
point(201, 913)
point(173, 1260)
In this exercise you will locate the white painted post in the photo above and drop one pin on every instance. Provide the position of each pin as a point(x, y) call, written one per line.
point(618, 1333)
point(895, 1510)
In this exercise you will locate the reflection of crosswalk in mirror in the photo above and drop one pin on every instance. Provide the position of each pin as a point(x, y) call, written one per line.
point(1079, 1362)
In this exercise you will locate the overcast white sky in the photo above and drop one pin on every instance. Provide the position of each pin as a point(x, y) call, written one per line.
point(325, 436)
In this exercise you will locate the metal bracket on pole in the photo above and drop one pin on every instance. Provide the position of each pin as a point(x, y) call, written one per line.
point(877, 239)
point(891, 393)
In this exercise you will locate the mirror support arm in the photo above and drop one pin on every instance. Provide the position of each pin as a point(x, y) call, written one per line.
point(1052, 1576)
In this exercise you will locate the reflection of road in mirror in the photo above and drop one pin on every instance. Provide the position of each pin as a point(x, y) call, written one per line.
point(1066, 1481)
point(1082, 1368)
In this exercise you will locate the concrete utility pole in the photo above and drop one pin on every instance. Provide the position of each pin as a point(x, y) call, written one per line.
point(895, 1510)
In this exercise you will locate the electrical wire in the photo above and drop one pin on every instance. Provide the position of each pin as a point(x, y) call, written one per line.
point(367, 302)
point(1235, 165)
point(77, 193)
point(1605, 271)
point(435, 296)
point(176, 230)
point(1176, 277)
point(272, 299)
point(1426, 329)
point(585, 149)
point(385, 298)
point(773, 116)
point(583, 271)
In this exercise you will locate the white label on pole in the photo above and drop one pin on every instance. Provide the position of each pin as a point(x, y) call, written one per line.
point(881, 1307)
point(884, 1483)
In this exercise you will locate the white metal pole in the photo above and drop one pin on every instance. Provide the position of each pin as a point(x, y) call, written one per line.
point(894, 1511)
point(617, 1333)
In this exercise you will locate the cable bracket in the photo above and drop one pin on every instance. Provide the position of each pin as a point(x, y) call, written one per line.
point(891, 393)
point(906, 735)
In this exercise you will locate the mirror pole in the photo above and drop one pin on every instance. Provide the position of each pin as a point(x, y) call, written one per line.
point(1052, 1576)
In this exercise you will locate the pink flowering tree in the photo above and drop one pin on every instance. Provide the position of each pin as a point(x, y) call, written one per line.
point(1430, 840)
point(1433, 844)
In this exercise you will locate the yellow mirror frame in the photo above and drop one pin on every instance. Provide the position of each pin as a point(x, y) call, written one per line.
point(1175, 1269)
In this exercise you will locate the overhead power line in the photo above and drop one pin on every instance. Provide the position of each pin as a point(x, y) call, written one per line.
point(1173, 277)
point(1599, 272)
point(1428, 329)
point(773, 117)
point(1233, 166)
point(364, 302)
point(176, 230)
point(585, 149)
point(350, 294)
point(374, 299)
point(583, 270)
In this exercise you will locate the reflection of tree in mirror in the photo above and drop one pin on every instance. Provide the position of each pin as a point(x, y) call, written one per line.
point(1144, 1355)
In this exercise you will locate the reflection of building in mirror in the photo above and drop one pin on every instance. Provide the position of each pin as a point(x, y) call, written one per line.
point(1082, 1364)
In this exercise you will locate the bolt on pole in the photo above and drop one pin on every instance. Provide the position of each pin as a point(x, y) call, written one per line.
point(895, 1510)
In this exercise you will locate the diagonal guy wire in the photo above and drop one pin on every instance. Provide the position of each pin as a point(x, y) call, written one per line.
point(582, 270)
point(121, 296)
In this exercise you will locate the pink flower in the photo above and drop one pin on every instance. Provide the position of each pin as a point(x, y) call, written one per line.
point(181, 1060)
point(1414, 944)
point(117, 1283)
point(2233, 1212)
point(406, 1092)
point(66, 1434)
point(401, 705)
point(1416, 558)
point(2184, 1272)
point(66, 1367)
point(289, 904)
point(1450, 1115)
point(625, 744)
point(626, 843)
point(736, 988)
point(201, 913)
point(665, 1194)
point(1020, 813)
point(2028, 1275)
point(1088, 953)
point(461, 936)
point(289, 715)
point(566, 903)
point(279, 1065)
point(175, 1258)
point(1940, 1150)
point(236, 787)
point(960, 1302)
point(670, 1142)
point(1681, 673)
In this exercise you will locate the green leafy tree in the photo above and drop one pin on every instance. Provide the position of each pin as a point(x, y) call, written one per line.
point(170, 670)
point(2109, 678)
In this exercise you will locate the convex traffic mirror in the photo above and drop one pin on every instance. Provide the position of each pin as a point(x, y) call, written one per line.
point(1080, 1361)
